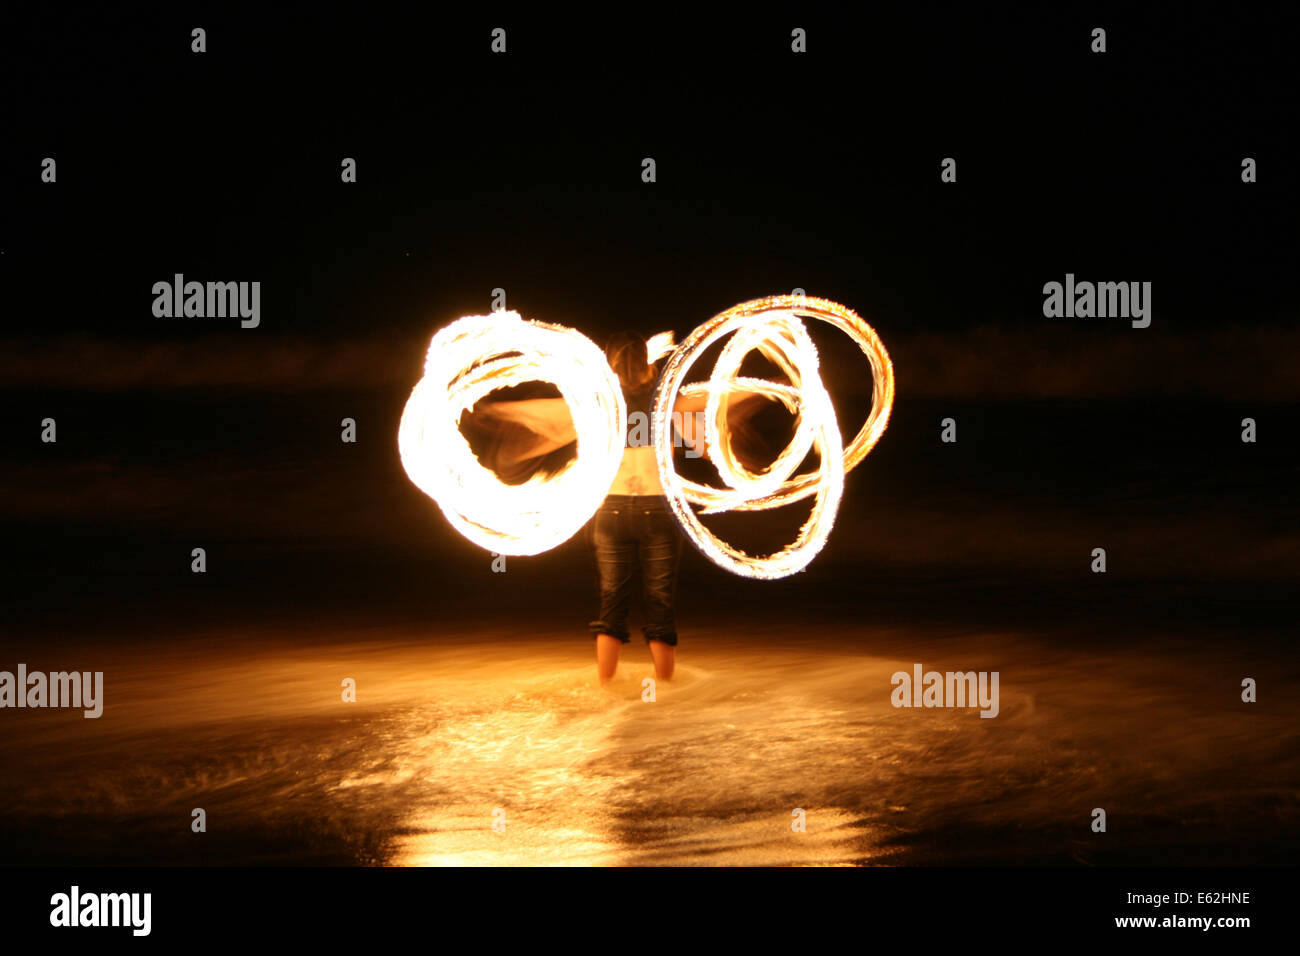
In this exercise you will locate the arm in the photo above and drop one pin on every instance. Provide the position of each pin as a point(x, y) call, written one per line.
point(547, 419)
point(688, 412)
point(697, 401)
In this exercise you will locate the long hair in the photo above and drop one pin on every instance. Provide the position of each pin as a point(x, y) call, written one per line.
point(630, 360)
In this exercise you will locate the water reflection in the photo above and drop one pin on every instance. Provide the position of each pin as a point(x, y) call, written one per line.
point(445, 733)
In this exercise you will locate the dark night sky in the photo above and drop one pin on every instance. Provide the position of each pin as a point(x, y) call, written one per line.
point(774, 171)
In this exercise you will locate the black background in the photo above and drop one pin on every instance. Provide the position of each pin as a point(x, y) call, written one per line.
point(775, 171)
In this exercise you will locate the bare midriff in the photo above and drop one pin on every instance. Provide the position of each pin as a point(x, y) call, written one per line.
point(638, 474)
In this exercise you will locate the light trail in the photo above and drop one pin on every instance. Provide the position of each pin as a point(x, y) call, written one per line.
point(477, 355)
point(773, 327)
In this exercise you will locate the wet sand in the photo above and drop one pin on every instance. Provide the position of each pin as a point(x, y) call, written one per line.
point(450, 727)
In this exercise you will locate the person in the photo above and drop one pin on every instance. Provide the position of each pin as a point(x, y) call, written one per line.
point(633, 529)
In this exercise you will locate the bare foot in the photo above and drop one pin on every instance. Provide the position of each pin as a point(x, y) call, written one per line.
point(607, 648)
point(665, 657)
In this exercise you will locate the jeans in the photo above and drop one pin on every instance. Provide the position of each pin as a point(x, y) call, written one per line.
point(630, 532)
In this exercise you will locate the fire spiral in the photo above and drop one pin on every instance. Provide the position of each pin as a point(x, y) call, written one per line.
point(477, 355)
point(773, 327)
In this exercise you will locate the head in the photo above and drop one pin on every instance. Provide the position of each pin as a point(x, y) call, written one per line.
point(627, 356)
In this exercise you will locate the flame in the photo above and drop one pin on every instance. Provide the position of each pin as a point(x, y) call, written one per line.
point(478, 354)
point(772, 326)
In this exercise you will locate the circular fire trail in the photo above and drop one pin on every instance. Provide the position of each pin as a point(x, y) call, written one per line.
point(477, 355)
point(773, 327)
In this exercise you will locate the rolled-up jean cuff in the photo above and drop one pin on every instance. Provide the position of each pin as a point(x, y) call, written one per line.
point(600, 627)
